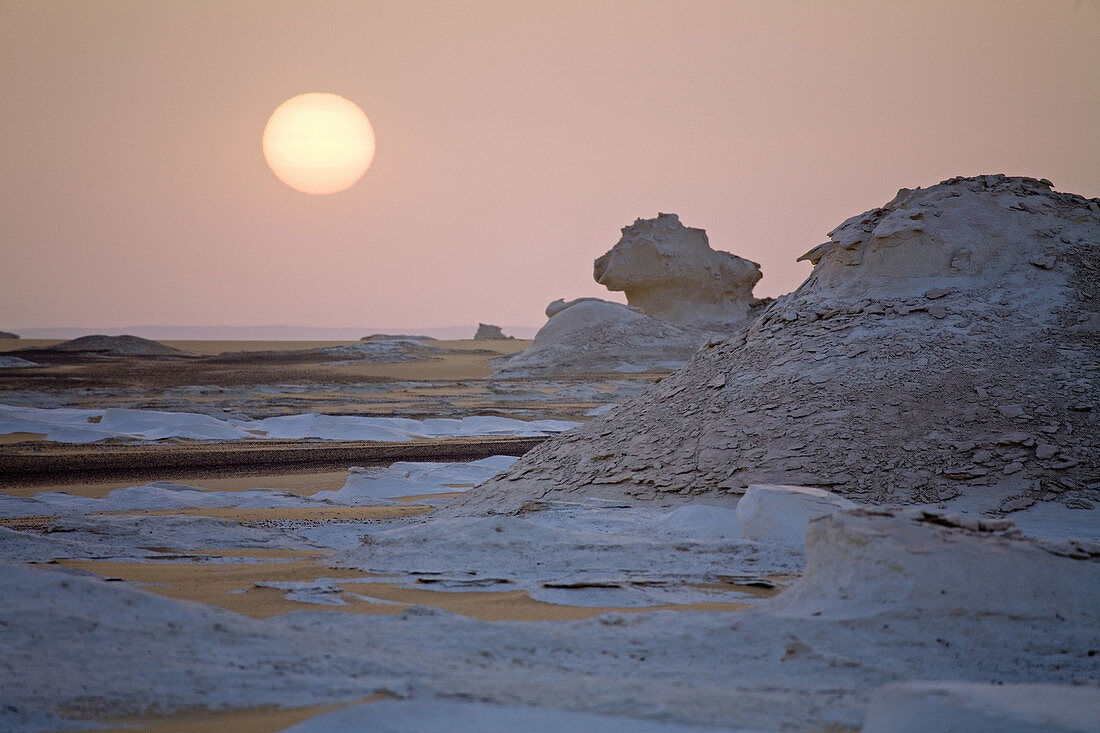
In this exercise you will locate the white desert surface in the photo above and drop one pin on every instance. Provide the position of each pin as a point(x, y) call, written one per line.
point(869, 506)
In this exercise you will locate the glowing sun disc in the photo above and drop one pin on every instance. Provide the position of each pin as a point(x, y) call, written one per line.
point(318, 143)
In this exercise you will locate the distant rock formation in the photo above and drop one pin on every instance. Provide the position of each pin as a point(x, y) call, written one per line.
point(592, 336)
point(113, 346)
point(375, 337)
point(680, 292)
point(8, 335)
point(941, 346)
point(489, 332)
point(671, 273)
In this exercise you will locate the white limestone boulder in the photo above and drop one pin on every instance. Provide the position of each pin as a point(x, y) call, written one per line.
point(671, 273)
point(865, 563)
point(777, 513)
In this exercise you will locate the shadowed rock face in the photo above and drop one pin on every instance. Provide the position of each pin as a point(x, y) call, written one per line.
point(671, 273)
point(943, 345)
point(115, 346)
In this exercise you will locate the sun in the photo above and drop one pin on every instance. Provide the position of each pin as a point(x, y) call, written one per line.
point(318, 143)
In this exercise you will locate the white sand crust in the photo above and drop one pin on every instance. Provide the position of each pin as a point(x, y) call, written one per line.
point(65, 425)
point(448, 716)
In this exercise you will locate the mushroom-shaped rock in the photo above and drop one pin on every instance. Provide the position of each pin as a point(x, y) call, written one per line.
point(671, 273)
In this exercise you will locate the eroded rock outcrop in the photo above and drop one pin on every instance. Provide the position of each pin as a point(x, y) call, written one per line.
point(940, 347)
point(671, 273)
point(489, 332)
point(593, 336)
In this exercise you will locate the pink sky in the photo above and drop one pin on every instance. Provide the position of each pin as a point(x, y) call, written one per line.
point(514, 140)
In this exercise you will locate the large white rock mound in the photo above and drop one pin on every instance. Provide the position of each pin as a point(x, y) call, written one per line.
point(671, 273)
point(593, 336)
point(943, 345)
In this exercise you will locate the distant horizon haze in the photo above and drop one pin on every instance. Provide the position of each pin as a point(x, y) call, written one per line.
point(514, 140)
point(263, 332)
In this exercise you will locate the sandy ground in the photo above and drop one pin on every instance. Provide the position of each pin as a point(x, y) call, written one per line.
point(267, 719)
point(238, 587)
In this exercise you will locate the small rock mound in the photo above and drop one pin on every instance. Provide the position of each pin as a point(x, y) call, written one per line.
point(14, 362)
point(489, 332)
point(942, 345)
point(592, 336)
point(8, 335)
point(114, 346)
point(671, 273)
point(374, 337)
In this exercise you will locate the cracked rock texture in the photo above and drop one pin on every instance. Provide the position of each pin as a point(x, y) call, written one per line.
point(945, 344)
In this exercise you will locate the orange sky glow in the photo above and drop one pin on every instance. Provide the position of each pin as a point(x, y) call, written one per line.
point(514, 139)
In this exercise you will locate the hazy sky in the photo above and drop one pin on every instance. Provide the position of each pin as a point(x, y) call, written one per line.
point(514, 140)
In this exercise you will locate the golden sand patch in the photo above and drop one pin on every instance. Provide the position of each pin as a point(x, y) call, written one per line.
point(12, 438)
point(266, 719)
point(305, 484)
point(232, 586)
point(512, 605)
point(289, 513)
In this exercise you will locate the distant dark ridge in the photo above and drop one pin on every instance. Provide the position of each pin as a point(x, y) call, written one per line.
point(114, 346)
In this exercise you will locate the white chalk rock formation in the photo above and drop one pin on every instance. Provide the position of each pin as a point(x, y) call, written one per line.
point(862, 563)
point(975, 707)
point(772, 513)
point(671, 273)
point(592, 336)
point(940, 347)
point(489, 332)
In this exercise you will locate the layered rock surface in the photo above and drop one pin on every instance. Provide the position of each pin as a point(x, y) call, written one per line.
point(671, 273)
point(944, 344)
